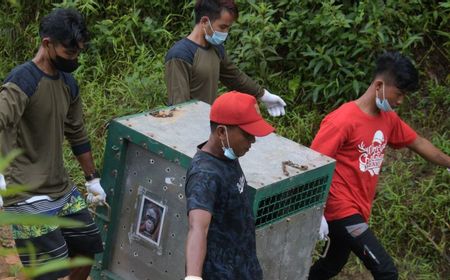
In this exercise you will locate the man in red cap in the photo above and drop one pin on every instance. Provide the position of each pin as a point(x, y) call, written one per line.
point(221, 238)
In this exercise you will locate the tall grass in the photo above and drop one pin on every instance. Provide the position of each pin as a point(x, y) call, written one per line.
point(316, 54)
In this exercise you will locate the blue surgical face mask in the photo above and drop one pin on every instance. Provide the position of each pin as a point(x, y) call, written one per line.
point(217, 38)
point(228, 152)
point(383, 105)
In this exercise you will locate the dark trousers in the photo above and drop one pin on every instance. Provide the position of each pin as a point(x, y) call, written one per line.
point(363, 244)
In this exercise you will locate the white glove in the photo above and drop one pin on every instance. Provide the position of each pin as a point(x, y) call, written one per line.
point(96, 194)
point(192, 278)
point(275, 105)
point(2, 187)
point(323, 231)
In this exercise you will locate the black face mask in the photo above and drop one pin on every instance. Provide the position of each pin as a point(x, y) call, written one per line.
point(63, 64)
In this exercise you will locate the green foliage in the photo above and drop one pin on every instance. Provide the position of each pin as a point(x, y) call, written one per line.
point(324, 50)
point(315, 54)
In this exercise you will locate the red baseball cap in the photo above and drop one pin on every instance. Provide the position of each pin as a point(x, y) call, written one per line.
point(235, 108)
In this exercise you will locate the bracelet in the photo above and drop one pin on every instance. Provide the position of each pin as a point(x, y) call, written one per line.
point(92, 176)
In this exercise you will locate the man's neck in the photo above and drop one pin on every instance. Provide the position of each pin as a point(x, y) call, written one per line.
point(198, 36)
point(367, 102)
point(43, 62)
point(213, 147)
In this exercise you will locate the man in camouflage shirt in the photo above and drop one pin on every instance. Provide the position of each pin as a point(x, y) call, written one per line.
point(221, 239)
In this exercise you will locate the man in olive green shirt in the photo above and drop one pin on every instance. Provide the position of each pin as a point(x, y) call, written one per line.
point(196, 64)
point(40, 105)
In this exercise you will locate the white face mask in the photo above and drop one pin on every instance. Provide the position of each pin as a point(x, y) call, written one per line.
point(228, 152)
point(217, 38)
point(383, 105)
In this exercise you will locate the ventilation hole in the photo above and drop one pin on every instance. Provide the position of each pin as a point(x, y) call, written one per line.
point(180, 196)
point(164, 188)
point(152, 161)
point(290, 201)
point(170, 253)
point(135, 254)
point(168, 169)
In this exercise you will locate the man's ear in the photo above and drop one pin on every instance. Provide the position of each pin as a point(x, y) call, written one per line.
point(378, 83)
point(220, 132)
point(45, 42)
point(204, 22)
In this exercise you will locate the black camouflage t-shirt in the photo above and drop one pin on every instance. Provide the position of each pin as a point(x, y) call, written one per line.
point(219, 187)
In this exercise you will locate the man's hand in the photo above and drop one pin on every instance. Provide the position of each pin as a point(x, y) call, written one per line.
point(96, 194)
point(323, 231)
point(275, 105)
point(2, 187)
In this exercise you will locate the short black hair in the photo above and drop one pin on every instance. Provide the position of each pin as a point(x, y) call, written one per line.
point(65, 26)
point(214, 125)
point(213, 8)
point(397, 70)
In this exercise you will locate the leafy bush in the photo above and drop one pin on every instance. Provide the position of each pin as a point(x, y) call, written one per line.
point(316, 54)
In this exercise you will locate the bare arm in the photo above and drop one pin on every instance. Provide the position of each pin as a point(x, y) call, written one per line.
point(87, 163)
point(199, 221)
point(429, 152)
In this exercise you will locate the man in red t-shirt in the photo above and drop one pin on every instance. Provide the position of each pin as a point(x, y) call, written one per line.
point(356, 135)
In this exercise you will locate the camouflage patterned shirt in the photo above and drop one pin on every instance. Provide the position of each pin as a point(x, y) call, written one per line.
point(219, 187)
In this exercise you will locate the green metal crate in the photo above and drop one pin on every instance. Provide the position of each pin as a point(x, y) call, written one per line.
point(146, 158)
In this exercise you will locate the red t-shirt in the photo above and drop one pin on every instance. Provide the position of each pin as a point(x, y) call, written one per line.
point(357, 142)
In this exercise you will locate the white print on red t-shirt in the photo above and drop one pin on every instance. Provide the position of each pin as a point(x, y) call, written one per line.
point(372, 156)
point(240, 184)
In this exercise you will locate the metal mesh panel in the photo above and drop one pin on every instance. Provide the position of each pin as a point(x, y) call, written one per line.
point(280, 205)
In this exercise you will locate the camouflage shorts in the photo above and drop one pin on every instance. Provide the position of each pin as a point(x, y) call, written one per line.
point(50, 242)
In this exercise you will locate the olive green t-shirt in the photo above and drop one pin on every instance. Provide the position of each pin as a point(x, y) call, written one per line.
point(193, 72)
point(36, 112)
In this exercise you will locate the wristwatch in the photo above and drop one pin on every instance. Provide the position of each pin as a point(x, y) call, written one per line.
point(92, 176)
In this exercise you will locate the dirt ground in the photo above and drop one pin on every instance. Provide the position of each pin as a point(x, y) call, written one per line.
point(10, 264)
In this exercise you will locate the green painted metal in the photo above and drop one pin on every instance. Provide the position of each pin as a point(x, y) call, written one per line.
point(293, 195)
point(114, 160)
